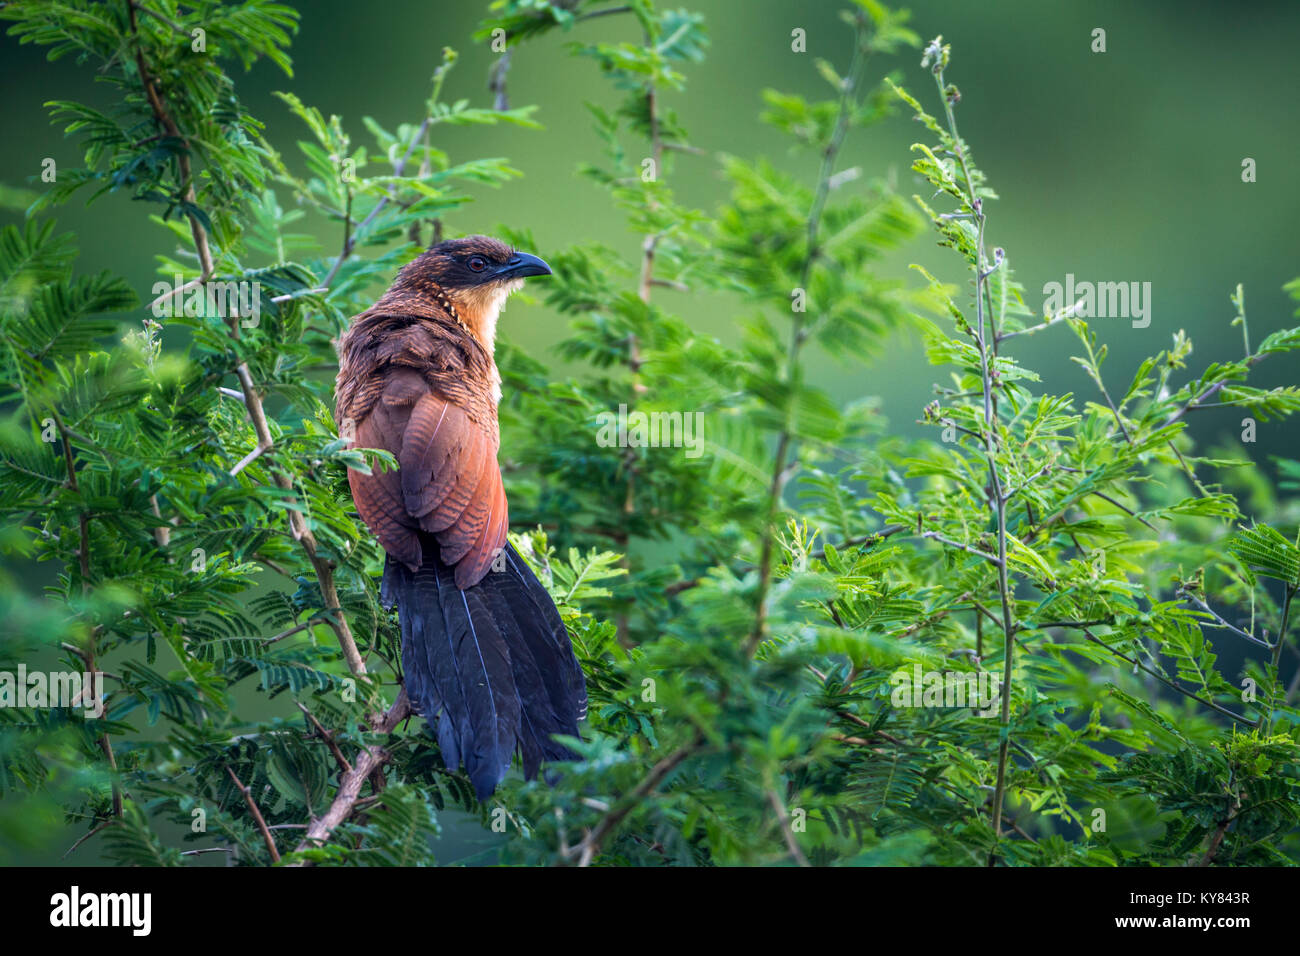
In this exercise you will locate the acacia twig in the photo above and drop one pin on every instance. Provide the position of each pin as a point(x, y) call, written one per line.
point(986, 339)
point(590, 845)
point(784, 819)
point(326, 736)
point(257, 816)
point(371, 758)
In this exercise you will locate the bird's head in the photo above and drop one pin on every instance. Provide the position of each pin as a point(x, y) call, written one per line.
point(477, 274)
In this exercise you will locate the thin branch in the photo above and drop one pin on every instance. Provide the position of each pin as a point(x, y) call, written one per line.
point(991, 558)
point(103, 826)
point(176, 27)
point(1166, 681)
point(1044, 625)
point(257, 452)
point(371, 758)
point(849, 715)
point(297, 628)
point(349, 240)
point(590, 846)
point(987, 613)
point(192, 284)
point(328, 737)
point(257, 816)
point(1008, 495)
point(1119, 419)
point(1221, 623)
point(784, 819)
point(1123, 508)
point(997, 500)
point(1197, 401)
point(870, 538)
point(607, 11)
point(1191, 475)
point(949, 423)
point(497, 78)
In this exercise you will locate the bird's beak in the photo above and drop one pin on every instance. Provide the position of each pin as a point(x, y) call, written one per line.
point(521, 265)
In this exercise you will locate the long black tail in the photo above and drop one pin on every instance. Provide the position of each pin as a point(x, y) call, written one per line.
point(491, 668)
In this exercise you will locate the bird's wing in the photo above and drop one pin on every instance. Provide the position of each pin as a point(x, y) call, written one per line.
point(448, 482)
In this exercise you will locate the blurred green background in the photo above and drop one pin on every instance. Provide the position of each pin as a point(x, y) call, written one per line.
point(1117, 166)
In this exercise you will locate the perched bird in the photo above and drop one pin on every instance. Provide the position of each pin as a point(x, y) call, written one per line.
point(487, 659)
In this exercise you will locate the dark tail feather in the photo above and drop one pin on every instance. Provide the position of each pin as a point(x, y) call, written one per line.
point(490, 667)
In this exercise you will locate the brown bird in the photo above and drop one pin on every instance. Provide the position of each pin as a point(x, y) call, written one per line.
point(487, 659)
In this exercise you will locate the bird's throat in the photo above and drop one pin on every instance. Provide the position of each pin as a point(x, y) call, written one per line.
point(480, 307)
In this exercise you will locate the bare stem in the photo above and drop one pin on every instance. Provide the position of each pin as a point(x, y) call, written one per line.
point(986, 338)
point(257, 816)
point(371, 758)
point(590, 846)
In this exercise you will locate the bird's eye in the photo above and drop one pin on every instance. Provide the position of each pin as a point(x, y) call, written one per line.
point(477, 263)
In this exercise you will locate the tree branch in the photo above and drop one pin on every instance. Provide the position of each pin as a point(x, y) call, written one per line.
point(784, 819)
point(257, 816)
point(590, 846)
point(371, 758)
point(298, 524)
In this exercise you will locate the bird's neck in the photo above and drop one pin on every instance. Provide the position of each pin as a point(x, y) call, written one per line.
point(479, 308)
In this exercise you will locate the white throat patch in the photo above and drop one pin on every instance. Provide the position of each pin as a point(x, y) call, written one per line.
point(480, 308)
point(492, 306)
